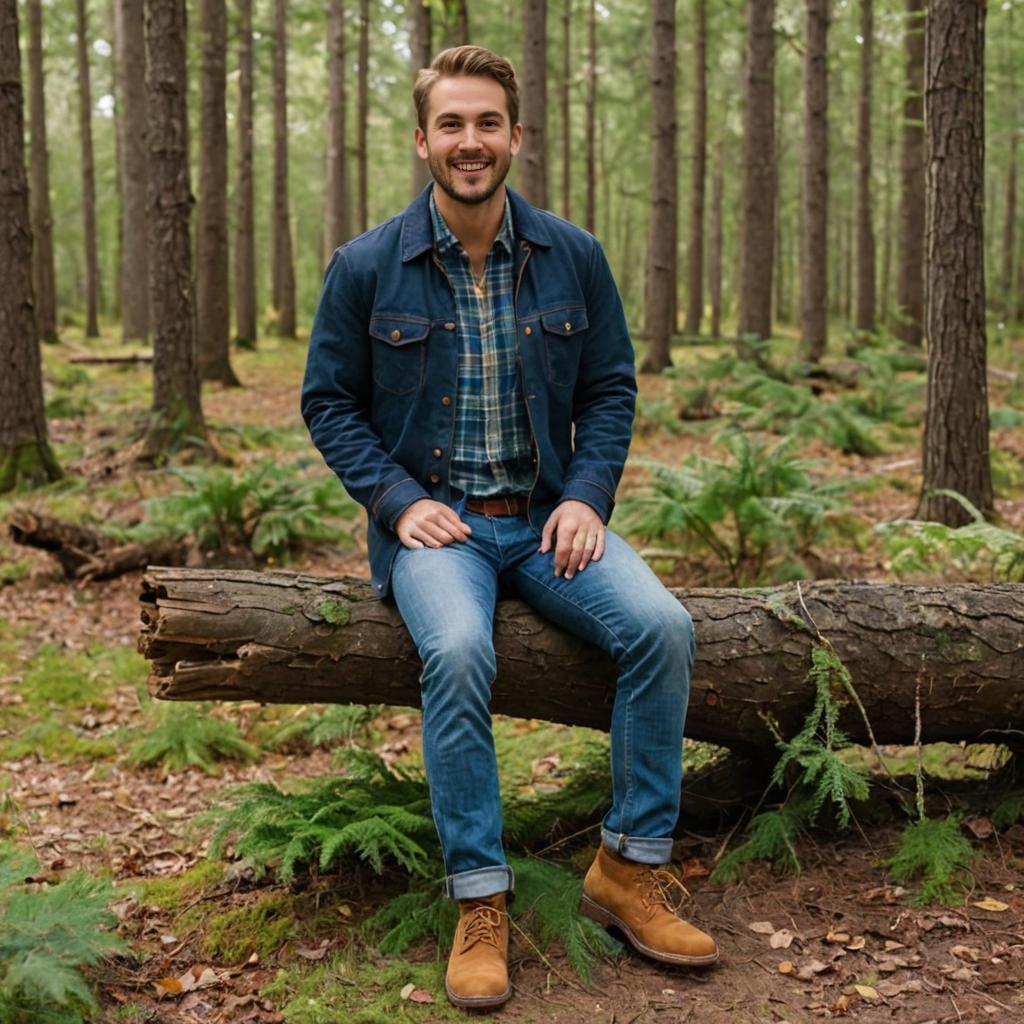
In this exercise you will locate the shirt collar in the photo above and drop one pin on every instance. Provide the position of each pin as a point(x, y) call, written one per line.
point(444, 239)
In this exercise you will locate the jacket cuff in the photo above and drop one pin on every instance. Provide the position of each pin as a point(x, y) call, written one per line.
point(590, 494)
point(395, 500)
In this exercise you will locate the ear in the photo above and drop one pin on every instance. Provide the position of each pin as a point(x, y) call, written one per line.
point(421, 143)
point(516, 139)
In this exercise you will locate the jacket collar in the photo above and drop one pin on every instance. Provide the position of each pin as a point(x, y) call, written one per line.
point(418, 228)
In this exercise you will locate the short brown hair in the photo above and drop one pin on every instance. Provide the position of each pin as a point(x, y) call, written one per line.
point(466, 60)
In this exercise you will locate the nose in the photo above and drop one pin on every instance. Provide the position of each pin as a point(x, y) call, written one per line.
point(468, 139)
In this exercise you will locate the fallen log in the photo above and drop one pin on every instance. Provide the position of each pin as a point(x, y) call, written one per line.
point(133, 357)
point(282, 637)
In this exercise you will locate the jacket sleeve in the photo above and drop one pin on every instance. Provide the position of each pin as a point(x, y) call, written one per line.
point(336, 398)
point(605, 396)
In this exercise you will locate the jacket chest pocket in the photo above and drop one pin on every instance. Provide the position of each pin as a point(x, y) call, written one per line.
point(564, 330)
point(399, 352)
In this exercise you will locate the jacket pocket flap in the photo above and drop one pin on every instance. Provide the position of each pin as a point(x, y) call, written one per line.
point(398, 331)
point(565, 321)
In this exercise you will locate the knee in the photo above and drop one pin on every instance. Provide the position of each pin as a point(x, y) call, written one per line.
point(460, 659)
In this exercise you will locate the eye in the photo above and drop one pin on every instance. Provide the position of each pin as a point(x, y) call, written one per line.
point(490, 123)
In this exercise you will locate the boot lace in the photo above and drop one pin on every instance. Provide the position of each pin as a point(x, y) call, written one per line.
point(484, 925)
point(658, 886)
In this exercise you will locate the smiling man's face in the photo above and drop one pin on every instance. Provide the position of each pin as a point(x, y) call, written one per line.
point(469, 142)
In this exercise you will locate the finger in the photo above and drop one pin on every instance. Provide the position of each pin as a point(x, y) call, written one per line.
point(589, 547)
point(575, 556)
point(440, 533)
point(599, 548)
point(451, 520)
point(563, 548)
point(420, 538)
point(546, 535)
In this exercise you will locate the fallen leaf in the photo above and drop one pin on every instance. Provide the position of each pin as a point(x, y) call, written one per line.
point(990, 904)
point(962, 974)
point(407, 991)
point(857, 942)
point(866, 991)
point(345, 910)
point(786, 967)
point(954, 922)
point(167, 987)
point(782, 939)
point(841, 1005)
point(694, 868)
point(840, 938)
point(762, 927)
point(810, 968)
point(980, 827)
point(967, 953)
point(306, 953)
point(420, 995)
point(891, 944)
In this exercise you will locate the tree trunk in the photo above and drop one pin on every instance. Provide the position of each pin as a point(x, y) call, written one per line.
point(363, 111)
point(589, 133)
point(422, 54)
point(337, 228)
point(462, 22)
point(910, 281)
point(245, 227)
point(695, 248)
point(662, 231)
point(214, 302)
point(177, 412)
point(25, 455)
point(865, 318)
point(92, 265)
point(814, 193)
point(131, 48)
point(533, 159)
point(717, 243)
point(39, 192)
point(1007, 278)
point(280, 637)
point(956, 434)
point(283, 282)
point(757, 229)
point(779, 275)
point(887, 224)
point(564, 102)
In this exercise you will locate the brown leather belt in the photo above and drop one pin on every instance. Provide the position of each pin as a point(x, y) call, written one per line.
point(502, 505)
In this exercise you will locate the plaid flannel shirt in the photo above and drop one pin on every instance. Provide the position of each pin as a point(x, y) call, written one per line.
point(492, 451)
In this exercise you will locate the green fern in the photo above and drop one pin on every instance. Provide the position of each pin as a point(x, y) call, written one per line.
point(937, 854)
point(189, 736)
point(337, 723)
point(773, 836)
point(1009, 811)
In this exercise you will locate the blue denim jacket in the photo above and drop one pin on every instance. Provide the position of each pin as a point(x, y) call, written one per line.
point(380, 386)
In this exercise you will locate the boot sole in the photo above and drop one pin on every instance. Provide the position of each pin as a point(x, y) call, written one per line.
point(605, 918)
point(477, 1002)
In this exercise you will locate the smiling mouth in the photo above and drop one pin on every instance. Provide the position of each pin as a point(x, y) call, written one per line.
point(470, 167)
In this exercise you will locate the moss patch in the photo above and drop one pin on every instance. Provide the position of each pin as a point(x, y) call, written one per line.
point(172, 893)
point(334, 611)
point(263, 927)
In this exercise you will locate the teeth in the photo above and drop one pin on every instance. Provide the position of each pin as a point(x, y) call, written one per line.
point(471, 167)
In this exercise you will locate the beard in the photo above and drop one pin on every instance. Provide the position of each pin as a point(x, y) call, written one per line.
point(470, 193)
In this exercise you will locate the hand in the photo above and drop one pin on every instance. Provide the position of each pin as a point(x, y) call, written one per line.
point(579, 537)
point(430, 524)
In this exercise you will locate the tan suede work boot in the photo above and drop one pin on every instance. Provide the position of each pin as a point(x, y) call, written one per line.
point(478, 965)
point(641, 901)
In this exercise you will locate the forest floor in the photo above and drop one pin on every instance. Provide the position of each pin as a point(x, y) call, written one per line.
point(211, 942)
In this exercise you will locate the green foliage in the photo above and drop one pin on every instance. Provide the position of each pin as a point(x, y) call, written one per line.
point(752, 513)
point(260, 928)
point(337, 723)
point(336, 612)
point(773, 836)
point(376, 813)
point(937, 854)
point(265, 509)
point(188, 736)
point(68, 391)
point(47, 934)
point(977, 549)
point(1009, 810)
point(421, 913)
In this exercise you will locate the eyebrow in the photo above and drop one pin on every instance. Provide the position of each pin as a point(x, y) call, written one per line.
point(452, 116)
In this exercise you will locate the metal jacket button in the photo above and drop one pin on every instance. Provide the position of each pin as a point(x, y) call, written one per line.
point(527, 330)
point(437, 453)
point(434, 478)
point(568, 326)
point(449, 326)
point(396, 335)
point(446, 400)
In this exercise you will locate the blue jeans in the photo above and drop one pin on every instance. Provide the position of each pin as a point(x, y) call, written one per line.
point(447, 597)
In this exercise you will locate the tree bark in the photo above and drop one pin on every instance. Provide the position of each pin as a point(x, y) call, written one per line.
point(566, 109)
point(956, 434)
point(238, 635)
point(461, 22)
point(131, 40)
point(422, 54)
point(363, 112)
point(92, 263)
point(865, 318)
point(695, 247)
point(214, 301)
point(39, 192)
point(887, 222)
point(177, 411)
point(283, 275)
point(814, 193)
point(589, 121)
point(910, 280)
point(662, 231)
point(1007, 278)
point(757, 228)
point(337, 226)
point(245, 227)
point(25, 455)
point(533, 157)
point(717, 242)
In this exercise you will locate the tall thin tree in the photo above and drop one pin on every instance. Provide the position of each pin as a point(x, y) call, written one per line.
point(177, 411)
point(662, 233)
point(92, 262)
point(363, 113)
point(717, 245)
point(533, 156)
point(910, 251)
point(337, 227)
point(757, 217)
point(956, 429)
point(695, 248)
point(283, 276)
point(25, 455)
point(214, 301)
point(865, 318)
point(814, 179)
point(422, 52)
point(566, 109)
point(245, 226)
point(590, 120)
point(39, 166)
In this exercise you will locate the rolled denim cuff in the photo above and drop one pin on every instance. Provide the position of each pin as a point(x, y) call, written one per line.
point(638, 848)
point(471, 885)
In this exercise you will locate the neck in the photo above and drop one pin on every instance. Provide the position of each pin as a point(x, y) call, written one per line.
point(475, 225)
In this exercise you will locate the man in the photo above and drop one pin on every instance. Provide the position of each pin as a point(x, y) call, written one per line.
point(471, 381)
